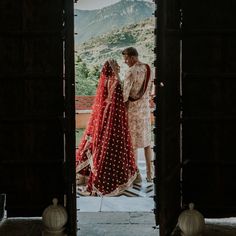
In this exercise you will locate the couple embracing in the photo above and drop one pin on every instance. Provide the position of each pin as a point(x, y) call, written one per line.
point(119, 124)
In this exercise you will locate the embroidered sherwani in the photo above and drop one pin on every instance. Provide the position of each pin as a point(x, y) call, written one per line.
point(138, 111)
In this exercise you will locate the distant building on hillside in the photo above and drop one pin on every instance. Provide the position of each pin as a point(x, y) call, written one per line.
point(83, 108)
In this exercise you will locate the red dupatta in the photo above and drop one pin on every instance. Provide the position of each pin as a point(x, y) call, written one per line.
point(105, 152)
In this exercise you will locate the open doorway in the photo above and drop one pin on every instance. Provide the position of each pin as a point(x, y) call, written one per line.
point(102, 31)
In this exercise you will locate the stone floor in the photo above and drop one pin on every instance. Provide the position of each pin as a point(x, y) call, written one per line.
point(111, 224)
point(21, 227)
point(141, 224)
point(114, 216)
point(91, 224)
point(115, 204)
point(217, 227)
point(116, 224)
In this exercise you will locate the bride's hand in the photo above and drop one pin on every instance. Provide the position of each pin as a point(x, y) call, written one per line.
point(117, 71)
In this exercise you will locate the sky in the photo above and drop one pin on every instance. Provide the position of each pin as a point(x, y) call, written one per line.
point(95, 4)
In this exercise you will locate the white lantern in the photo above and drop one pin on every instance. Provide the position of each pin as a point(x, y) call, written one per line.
point(191, 222)
point(54, 217)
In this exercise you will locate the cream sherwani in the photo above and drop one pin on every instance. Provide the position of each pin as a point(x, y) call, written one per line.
point(138, 111)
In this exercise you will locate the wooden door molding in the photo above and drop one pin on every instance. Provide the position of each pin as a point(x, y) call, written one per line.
point(167, 182)
point(70, 118)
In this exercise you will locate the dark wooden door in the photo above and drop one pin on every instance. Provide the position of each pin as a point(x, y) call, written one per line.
point(209, 106)
point(167, 163)
point(36, 105)
point(69, 117)
point(207, 115)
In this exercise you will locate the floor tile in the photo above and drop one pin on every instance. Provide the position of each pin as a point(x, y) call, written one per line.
point(89, 204)
point(127, 204)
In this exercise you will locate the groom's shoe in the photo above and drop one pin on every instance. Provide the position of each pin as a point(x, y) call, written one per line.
point(80, 179)
point(138, 178)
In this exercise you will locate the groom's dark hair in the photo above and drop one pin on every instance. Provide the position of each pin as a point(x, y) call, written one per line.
point(130, 51)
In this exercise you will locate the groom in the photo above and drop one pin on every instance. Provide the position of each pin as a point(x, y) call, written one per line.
point(136, 92)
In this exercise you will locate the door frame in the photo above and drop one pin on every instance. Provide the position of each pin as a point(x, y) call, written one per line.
point(69, 117)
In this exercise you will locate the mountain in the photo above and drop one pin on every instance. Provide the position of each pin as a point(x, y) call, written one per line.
point(91, 23)
point(95, 51)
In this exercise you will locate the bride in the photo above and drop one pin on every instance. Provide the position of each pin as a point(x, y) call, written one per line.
point(105, 154)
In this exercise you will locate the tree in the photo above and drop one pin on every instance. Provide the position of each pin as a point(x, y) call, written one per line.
point(86, 79)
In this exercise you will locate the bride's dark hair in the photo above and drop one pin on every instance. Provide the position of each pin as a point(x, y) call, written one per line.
point(107, 69)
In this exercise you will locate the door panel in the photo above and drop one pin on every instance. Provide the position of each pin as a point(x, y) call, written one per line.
point(31, 105)
point(69, 90)
point(209, 113)
point(168, 116)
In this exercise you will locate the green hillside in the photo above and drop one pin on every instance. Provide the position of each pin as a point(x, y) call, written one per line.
point(92, 54)
point(93, 23)
point(96, 50)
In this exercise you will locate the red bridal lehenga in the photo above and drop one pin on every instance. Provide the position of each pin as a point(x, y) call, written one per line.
point(105, 153)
